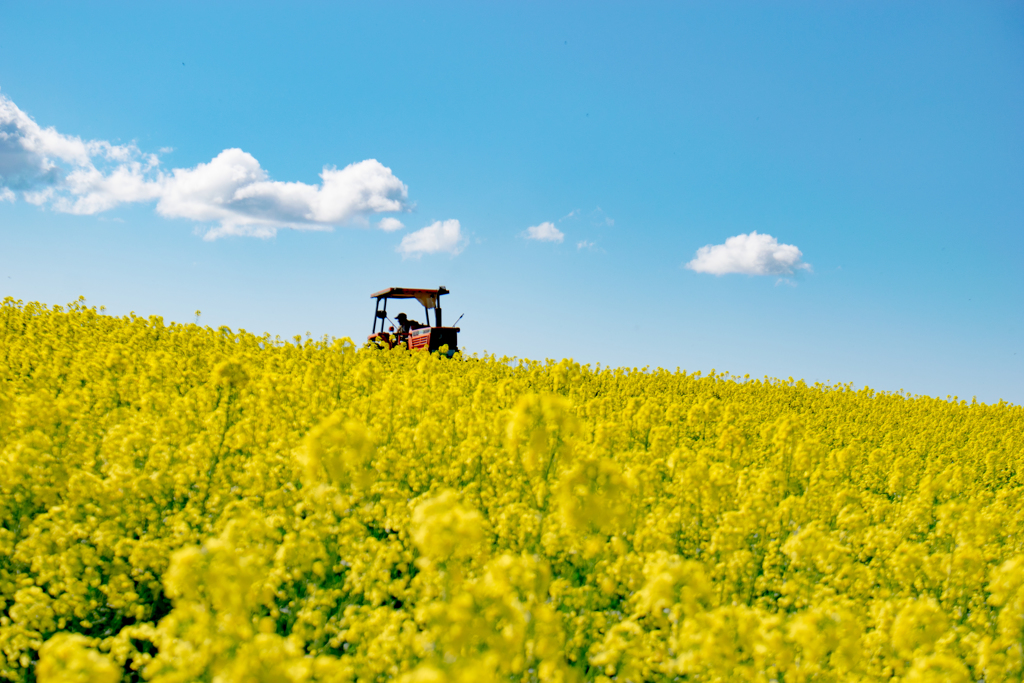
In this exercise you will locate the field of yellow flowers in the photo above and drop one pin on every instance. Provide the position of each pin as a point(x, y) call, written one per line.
point(179, 503)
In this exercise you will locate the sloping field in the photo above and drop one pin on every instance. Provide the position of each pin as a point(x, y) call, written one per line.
point(179, 503)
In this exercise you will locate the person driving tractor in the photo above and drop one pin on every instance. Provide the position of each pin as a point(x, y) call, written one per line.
point(412, 334)
point(407, 324)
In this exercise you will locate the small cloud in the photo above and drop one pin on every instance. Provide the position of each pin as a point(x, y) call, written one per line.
point(390, 224)
point(545, 232)
point(751, 254)
point(166, 150)
point(438, 237)
point(572, 214)
point(7, 194)
point(585, 244)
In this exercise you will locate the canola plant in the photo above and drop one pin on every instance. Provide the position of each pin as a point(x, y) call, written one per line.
point(179, 503)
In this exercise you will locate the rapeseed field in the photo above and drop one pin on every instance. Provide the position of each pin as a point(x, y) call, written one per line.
point(179, 503)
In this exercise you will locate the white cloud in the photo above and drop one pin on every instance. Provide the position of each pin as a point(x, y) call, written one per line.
point(584, 244)
point(32, 156)
point(7, 195)
point(751, 254)
point(390, 224)
point(545, 232)
point(438, 237)
point(231, 190)
point(38, 198)
point(87, 190)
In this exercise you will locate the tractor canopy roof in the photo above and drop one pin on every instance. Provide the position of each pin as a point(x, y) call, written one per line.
point(427, 297)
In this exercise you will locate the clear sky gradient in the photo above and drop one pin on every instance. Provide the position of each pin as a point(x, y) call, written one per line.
point(883, 141)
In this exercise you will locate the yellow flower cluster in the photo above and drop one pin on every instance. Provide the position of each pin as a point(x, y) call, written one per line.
point(179, 503)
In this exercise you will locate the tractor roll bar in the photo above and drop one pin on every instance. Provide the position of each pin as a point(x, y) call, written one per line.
point(429, 298)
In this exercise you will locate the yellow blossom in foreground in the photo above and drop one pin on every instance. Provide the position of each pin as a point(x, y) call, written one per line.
point(71, 658)
point(179, 503)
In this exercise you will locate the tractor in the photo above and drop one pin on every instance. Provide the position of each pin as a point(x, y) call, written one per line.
point(410, 333)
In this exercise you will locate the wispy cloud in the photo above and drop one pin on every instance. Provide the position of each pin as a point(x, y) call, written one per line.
point(585, 244)
point(600, 217)
point(545, 232)
point(232, 191)
point(753, 254)
point(438, 237)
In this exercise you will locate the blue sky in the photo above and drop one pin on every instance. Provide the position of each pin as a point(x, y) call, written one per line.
point(882, 141)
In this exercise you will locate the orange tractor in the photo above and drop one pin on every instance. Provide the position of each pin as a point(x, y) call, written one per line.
point(410, 333)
